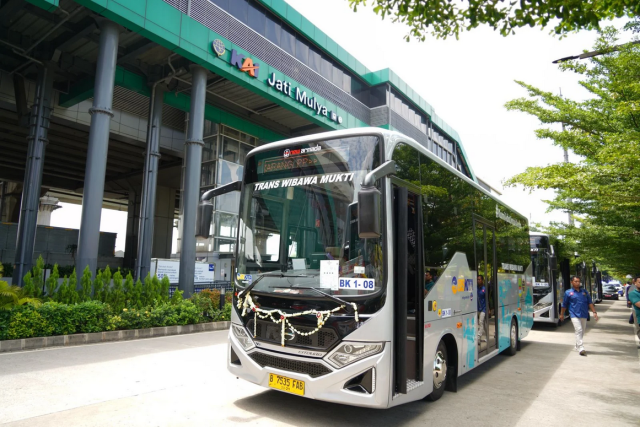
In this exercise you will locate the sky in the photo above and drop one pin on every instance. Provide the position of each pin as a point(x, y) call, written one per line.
point(467, 81)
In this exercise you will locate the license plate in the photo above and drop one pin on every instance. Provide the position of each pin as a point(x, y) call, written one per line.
point(286, 384)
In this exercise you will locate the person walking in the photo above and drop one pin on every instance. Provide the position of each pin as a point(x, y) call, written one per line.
point(578, 301)
point(634, 297)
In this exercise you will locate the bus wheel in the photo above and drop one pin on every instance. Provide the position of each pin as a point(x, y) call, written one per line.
point(439, 372)
point(513, 338)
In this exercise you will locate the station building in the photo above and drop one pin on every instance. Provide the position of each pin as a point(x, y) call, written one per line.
point(142, 105)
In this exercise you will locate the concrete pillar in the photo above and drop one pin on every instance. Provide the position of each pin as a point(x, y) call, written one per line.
point(149, 182)
point(191, 185)
point(48, 204)
point(96, 168)
point(37, 142)
point(3, 192)
point(163, 222)
point(133, 226)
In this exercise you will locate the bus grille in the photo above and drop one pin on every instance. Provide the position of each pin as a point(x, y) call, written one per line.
point(314, 370)
point(270, 332)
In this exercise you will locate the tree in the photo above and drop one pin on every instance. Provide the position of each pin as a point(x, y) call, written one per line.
point(445, 18)
point(603, 188)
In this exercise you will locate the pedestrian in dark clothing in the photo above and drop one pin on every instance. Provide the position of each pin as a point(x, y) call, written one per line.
point(578, 301)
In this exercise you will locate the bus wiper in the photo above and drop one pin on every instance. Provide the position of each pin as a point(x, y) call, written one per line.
point(346, 304)
point(248, 288)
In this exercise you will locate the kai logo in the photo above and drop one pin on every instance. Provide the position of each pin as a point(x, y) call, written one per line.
point(245, 64)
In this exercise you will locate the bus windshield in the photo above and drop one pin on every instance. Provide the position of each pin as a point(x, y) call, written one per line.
point(542, 292)
point(298, 230)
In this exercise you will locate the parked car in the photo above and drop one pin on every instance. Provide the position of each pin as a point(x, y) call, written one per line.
point(610, 292)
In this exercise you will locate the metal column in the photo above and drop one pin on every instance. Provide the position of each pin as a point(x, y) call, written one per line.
point(150, 179)
point(37, 142)
point(191, 186)
point(95, 171)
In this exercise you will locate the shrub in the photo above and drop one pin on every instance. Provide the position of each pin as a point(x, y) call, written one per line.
point(128, 290)
point(27, 322)
point(28, 288)
point(8, 270)
point(227, 312)
point(137, 294)
point(72, 287)
point(38, 271)
point(52, 282)
point(164, 289)
point(177, 297)
point(116, 295)
point(98, 287)
point(85, 285)
point(12, 296)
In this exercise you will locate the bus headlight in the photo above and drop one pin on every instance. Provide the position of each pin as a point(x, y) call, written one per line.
point(243, 337)
point(349, 352)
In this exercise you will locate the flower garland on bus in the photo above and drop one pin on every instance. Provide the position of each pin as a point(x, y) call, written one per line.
point(246, 303)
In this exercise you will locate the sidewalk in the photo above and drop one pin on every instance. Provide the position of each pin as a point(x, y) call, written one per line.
point(602, 388)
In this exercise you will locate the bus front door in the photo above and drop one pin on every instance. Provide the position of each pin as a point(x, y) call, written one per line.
point(408, 306)
point(485, 250)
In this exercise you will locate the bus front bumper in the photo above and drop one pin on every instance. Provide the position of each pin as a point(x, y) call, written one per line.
point(329, 387)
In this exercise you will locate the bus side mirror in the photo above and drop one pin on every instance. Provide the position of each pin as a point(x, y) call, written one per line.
point(553, 262)
point(205, 208)
point(203, 219)
point(369, 213)
point(369, 200)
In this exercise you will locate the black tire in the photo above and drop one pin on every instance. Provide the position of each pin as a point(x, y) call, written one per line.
point(439, 372)
point(513, 339)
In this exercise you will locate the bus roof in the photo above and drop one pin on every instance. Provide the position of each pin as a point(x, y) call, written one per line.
point(391, 138)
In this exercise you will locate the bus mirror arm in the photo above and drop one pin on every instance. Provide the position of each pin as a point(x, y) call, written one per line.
point(387, 168)
point(553, 259)
point(369, 201)
point(228, 188)
point(205, 208)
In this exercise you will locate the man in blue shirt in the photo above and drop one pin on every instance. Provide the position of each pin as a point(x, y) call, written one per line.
point(482, 307)
point(634, 297)
point(578, 301)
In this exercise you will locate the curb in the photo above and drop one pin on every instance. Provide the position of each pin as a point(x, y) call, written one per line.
point(108, 336)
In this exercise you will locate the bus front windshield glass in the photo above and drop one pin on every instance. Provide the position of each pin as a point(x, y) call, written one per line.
point(542, 295)
point(298, 229)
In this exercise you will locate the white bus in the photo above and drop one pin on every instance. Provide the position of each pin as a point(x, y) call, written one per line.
point(334, 233)
point(548, 289)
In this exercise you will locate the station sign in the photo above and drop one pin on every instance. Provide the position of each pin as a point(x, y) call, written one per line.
point(301, 97)
point(252, 68)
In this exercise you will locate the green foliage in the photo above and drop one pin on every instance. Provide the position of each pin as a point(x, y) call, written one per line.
point(85, 285)
point(52, 282)
point(116, 296)
point(129, 289)
point(26, 322)
point(53, 318)
point(28, 288)
point(7, 270)
point(177, 297)
point(444, 18)
point(602, 189)
point(38, 274)
point(1, 270)
point(72, 287)
point(98, 287)
point(183, 313)
point(165, 284)
point(12, 296)
point(138, 296)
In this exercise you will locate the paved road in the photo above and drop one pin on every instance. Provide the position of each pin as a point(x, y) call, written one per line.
point(182, 380)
